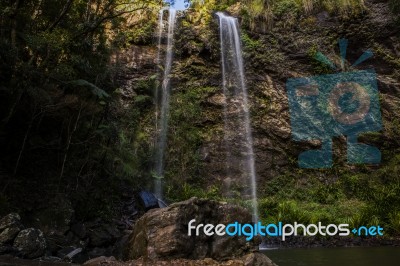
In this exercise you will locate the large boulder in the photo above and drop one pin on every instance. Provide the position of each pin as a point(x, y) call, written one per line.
point(10, 226)
point(162, 234)
point(30, 243)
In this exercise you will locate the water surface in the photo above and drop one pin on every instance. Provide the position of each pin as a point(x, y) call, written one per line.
point(356, 256)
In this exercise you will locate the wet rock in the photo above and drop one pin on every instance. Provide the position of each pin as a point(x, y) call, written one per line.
point(79, 229)
point(54, 242)
point(235, 9)
point(51, 259)
point(8, 249)
point(30, 243)
point(100, 261)
point(73, 254)
point(10, 226)
point(103, 234)
point(256, 259)
point(8, 234)
point(217, 100)
point(69, 253)
point(72, 238)
point(97, 252)
point(121, 244)
point(9, 219)
point(99, 237)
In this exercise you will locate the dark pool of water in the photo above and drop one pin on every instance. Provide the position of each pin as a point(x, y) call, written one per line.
point(357, 256)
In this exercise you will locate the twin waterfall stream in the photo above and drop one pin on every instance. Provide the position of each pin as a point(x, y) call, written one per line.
point(237, 130)
point(236, 109)
point(162, 99)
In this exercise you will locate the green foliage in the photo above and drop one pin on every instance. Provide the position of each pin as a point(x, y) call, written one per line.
point(395, 6)
point(394, 222)
point(387, 54)
point(327, 193)
point(360, 218)
point(131, 155)
point(266, 11)
point(357, 197)
point(61, 123)
point(187, 191)
point(289, 211)
point(258, 11)
point(142, 34)
point(287, 6)
point(250, 43)
point(94, 89)
point(141, 30)
point(185, 134)
point(319, 68)
point(200, 12)
point(344, 7)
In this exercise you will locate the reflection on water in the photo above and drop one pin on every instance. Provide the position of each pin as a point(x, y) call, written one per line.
point(357, 256)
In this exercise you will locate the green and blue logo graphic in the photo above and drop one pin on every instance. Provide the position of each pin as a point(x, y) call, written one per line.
point(341, 104)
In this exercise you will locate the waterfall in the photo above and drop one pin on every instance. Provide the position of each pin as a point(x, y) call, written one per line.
point(238, 135)
point(159, 42)
point(162, 100)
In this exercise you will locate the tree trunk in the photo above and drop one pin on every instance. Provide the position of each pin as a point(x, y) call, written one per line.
point(14, 23)
point(62, 14)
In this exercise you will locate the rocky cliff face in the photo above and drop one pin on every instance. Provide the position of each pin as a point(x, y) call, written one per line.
point(196, 138)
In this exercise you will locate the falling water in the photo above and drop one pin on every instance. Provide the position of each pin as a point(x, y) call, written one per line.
point(162, 100)
point(238, 135)
point(160, 32)
point(159, 40)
